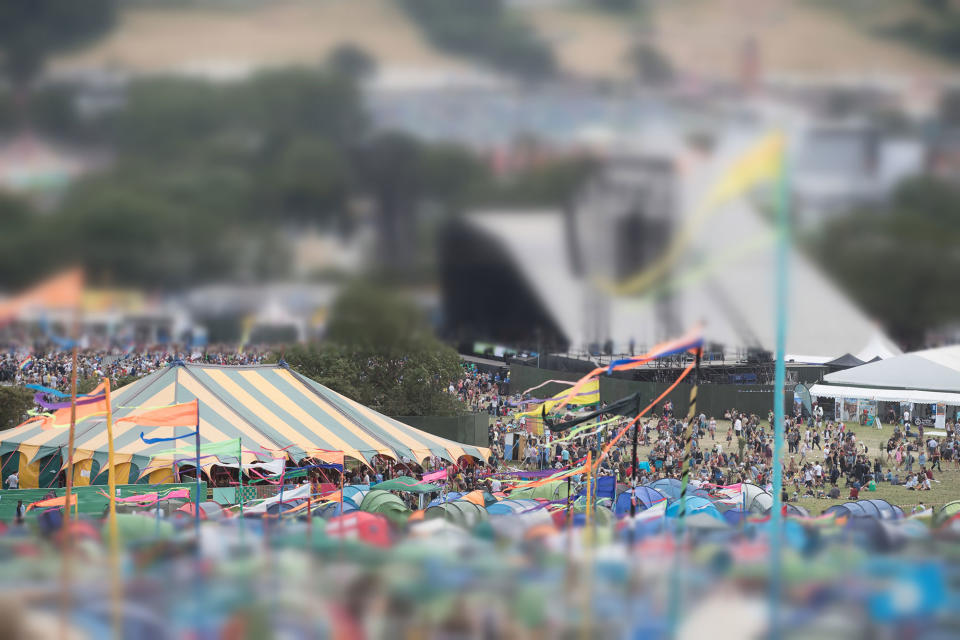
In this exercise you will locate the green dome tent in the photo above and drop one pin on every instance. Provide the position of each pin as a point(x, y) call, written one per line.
point(461, 512)
point(406, 483)
point(556, 490)
point(946, 512)
point(387, 504)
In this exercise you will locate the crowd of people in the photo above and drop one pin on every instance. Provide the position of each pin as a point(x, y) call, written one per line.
point(824, 459)
point(822, 456)
point(52, 367)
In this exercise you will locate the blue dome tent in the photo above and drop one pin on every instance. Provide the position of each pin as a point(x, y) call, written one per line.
point(669, 487)
point(646, 497)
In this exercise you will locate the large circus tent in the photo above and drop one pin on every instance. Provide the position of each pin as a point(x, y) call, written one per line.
point(270, 411)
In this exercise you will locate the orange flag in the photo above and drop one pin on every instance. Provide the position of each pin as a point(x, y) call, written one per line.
point(336, 496)
point(178, 415)
point(61, 417)
point(59, 501)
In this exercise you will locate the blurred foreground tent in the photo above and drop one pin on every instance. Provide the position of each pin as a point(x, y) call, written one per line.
point(265, 408)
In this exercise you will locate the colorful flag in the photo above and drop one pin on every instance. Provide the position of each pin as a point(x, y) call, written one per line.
point(178, 415)
point(26, 362)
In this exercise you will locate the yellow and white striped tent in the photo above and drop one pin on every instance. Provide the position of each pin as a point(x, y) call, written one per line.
point(273, 410)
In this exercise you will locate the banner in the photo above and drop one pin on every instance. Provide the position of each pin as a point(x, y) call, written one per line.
point(801, 395)
point(941, 419)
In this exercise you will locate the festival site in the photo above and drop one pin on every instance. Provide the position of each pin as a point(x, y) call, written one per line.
point(479, 319)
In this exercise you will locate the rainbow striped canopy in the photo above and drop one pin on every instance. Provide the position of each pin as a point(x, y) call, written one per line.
point(271, 409)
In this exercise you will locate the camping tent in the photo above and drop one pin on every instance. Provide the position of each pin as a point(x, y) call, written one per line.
point(755, 499)
point(331, 509)
point(513, 506)
point(269, 408)
point(406, 483)
point(646, 497)
point(946, 512)
point(556, 490)
point(385, 503)
point(369, 527)
point(460, 512)
point(694, 504)
point(447, 497)
point(208, 511)
point(670, 487)
point(877, 509)
point(602, 487)
point(928, 376)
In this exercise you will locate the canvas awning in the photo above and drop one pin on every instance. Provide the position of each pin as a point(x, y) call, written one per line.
point(928, 370)
point(885, 395)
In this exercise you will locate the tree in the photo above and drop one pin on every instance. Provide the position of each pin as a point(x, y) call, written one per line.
point(900, 261)
point(381, 353)
point(485, 31)
point(352, 62)
point(30, 31)
point(14, 404)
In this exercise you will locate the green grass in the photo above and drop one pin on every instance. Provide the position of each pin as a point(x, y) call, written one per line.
point(945, 489)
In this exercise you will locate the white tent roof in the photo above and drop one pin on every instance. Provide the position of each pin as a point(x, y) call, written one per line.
point(536, 242)
point(885, 395)
point(727, 279)
point(929, 370)
point(878, 347)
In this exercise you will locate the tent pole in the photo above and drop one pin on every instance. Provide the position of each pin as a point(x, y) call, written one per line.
point(65, 568)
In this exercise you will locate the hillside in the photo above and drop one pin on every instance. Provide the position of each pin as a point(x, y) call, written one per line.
point(705, 38)
point(262, 34)
point(701, 37)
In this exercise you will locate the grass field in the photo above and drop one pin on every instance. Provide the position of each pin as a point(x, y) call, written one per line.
point(947, 489)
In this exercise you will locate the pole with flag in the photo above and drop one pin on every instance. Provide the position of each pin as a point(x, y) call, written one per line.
point(196, 499)
point(676, 587)
point(65, 568)
point(186, 414)
point(240, 484)
point(115, 584)
point(781, 284)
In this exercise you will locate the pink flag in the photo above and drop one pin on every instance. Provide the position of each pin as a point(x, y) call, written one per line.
point(436, 475)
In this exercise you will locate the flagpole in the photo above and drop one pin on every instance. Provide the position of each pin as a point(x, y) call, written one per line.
point(196, 501)
point(115, 585)
point(676, 587)
point(65, 568)
point(776, 519)
point(240, 481)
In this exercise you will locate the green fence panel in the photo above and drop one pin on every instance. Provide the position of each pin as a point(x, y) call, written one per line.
point(466, 429)
point(89, 499)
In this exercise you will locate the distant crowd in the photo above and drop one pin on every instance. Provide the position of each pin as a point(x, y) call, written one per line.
point(823, 459)
point(52, 368)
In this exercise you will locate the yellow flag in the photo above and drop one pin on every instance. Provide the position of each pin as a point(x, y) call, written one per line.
point(761, 163)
